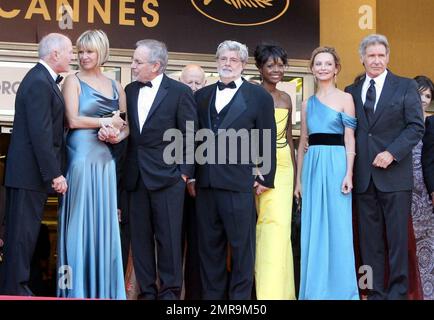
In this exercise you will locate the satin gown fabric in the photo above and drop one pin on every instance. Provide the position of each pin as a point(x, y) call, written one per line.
point(89, 240)
point(274, 269)
point(327, 255)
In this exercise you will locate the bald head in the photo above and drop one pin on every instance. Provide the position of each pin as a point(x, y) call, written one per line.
point(56, 50)
point(193, 76)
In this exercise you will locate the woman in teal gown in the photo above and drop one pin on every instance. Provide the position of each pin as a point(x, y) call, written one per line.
point(324, 182)
point(89, 249)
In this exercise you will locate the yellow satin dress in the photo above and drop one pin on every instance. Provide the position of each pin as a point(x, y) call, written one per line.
point(274, 268)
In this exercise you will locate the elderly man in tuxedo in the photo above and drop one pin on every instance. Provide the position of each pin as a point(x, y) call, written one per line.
point(226, 184)
point(35, 158)
point(155, 186)
point(193, 76)
point(390, 124)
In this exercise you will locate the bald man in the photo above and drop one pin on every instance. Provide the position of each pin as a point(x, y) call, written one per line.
point(193, 76)
point(34, 165)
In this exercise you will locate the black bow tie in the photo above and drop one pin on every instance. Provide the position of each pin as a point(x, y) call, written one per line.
point(145, 84)
point(230, 85)
point(59, 79)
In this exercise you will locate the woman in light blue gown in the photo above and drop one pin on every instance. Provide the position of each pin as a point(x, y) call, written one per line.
point(89, 249)
point(324, 182)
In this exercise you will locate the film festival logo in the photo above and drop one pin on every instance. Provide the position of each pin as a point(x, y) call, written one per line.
point(243, 13)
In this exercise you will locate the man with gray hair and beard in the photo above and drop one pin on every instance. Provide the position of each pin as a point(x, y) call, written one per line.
point(225, 200)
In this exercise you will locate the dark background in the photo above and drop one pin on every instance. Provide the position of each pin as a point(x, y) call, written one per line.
point(181, 26)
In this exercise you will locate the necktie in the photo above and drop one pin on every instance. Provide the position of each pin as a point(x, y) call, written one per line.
point(145, 84)
point(230, 85)
point(370, 101)
point(59, 79)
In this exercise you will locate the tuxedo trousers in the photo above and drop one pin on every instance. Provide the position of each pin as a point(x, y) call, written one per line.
point(379, 213)
point(156, 223)
point(24, 212)
point(224, 217)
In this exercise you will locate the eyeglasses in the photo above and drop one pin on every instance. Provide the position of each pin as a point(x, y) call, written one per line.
point(223, 60)
point(138, 62)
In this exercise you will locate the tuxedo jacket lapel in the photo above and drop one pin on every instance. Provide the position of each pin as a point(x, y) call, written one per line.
point(389, 87)
point(162, 92)
point(134, 105)
point(211, 99)
point(52, 82)
point(239, 105)
point(359, 103)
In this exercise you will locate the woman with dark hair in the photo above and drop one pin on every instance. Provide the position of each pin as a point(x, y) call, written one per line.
point(274, 269)
point(422, 206)
point(325, 182)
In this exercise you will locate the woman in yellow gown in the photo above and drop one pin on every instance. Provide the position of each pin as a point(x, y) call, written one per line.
point(274, 268)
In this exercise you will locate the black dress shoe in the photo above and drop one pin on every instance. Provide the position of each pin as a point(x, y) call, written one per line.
point(146, 296)
point(26, 291)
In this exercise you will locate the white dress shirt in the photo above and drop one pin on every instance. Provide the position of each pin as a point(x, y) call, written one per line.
point(223, 97)
point(146, 99)
point(379, 83)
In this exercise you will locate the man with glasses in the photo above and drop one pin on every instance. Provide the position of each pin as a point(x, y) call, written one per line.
point(155, 104)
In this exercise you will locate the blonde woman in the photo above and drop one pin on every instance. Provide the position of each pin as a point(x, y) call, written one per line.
point(324, 182)
point(89, 249)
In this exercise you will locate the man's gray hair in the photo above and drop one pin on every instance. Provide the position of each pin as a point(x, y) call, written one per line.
point(157, 52)
point(371, 40)
point(52, 41)
point(231, 45)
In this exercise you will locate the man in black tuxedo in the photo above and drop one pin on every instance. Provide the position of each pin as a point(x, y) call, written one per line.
point(428, 156)
point(35, 159)
point(226, 183)
point(390, 123)
point(193, 76)
point(156, 186)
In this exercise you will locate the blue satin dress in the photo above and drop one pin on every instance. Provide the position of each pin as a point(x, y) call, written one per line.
point(328, 270)
point(89, 248)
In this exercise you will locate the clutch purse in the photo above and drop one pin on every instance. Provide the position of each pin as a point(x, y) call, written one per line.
point(122, 114)
point(296, 225)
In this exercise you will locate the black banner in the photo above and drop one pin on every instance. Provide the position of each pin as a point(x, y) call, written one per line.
point(195, 26)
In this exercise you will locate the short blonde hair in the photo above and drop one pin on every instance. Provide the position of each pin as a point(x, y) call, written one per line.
point(95, 40)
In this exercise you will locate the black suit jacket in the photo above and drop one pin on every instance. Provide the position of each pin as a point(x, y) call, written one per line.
point(397, 127)
point(428, 154)
point(173, 106)
point(36, 150)
point(252, 108)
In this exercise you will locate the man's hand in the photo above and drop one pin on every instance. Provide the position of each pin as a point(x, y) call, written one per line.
point(383, 160)
point(191, 188)
point(59, 184)
point(432, 198)
point(259, 188)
